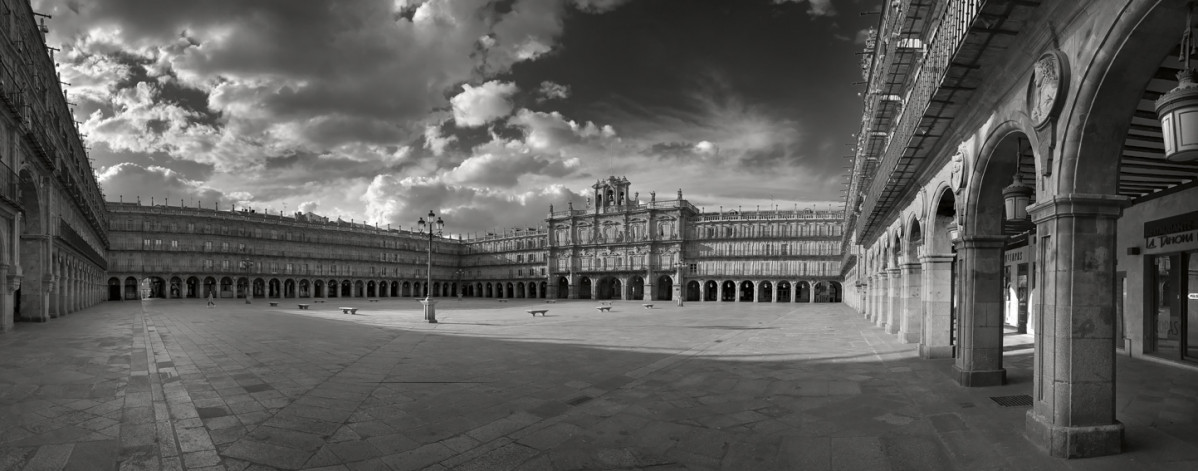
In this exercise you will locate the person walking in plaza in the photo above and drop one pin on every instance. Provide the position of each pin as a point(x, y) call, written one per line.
point(210, 301)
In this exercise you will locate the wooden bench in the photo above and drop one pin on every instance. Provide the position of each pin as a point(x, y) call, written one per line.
point(274, 304)
point(534, 312)
point(348, 310)
point(603, 308)
point(647, 306)
point(301, 306)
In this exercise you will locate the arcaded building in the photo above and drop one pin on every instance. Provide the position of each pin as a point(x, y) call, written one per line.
point(168, 251)
point(1030, 166)
point(53, 253)
point(616, 248)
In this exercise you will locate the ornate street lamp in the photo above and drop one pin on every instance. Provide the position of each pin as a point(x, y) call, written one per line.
point(678, 266)
point(249, 279)
point(430, 312)
point(1178, 109)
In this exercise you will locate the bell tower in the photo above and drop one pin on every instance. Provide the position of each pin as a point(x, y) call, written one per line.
point(611, 194)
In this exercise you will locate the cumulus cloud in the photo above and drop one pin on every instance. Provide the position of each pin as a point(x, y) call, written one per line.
point(465, 209)
point(597, 6)
point(127, 182)
point(434, 141)
point(476, 106)
point(550, 91)
point(552, 131)
point(815, 7)
point(706, 147)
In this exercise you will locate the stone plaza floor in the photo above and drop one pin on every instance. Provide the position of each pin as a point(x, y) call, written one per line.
point(170, 384)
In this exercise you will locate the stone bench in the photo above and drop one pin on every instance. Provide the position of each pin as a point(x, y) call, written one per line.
point(534, 312)
point(551, 301)
point(348, 310)
point(605, 303)
point(302, 306)
point(603, 308)
point(647, 306)
point(274, 304)
point(320, 300)
point(501, 300)
point(373, 300)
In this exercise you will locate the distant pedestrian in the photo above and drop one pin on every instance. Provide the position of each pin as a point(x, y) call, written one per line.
point(211, 302)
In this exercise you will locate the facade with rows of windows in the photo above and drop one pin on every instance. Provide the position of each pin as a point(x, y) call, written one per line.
point(613, 249)
point(52, 216)
point(177, 252)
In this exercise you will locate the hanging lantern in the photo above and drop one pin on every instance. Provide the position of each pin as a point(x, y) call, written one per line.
point(1178, 109)
point(1015, 198)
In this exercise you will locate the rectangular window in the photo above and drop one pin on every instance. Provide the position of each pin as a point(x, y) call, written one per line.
point(208, 264)
point(145, 244)
point(224, 265)
point(224, 246)
point(174, 245)
point(157, 244)
point(208, 246)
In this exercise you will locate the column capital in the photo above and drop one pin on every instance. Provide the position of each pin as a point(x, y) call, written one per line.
point(1079, 204)
point(910, 267)
point(894, 272)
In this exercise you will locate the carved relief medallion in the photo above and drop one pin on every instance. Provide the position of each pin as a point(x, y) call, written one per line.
point(1045, 90)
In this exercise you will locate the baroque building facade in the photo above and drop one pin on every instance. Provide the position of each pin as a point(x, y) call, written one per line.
point(1016, 170)
point(614, 249)
point(53, 233)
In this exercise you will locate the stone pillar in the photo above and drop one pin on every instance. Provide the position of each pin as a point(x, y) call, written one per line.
point(703, 291)
point(594, 289)
point(911, 320)
point(894, 304)
point(935, 340)
point(880, 296)
point(736, 291)
point(648, 294)
point(774, 286)
point(1073, 413)
point(757, 292)
point(979, 362)
point(572, 288)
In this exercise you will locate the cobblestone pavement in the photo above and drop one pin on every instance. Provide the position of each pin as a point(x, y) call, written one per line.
point(173, 385)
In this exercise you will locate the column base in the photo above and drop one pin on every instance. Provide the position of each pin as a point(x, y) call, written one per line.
point(929, 352)
point(1075, 442)
point(980, 379)
point(892, 329)
point(909, 337)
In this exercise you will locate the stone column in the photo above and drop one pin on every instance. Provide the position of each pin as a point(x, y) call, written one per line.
point(572, 288)
point(1073, 412)
point(911, 321)
point(979, 362)
point(880, 296)
point(703, 291)
point(774, 285)
point(894, 304)
point(594, 289)
point(736, 291)
point(936, 336)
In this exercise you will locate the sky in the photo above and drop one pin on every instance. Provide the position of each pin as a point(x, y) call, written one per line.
point(484, 111)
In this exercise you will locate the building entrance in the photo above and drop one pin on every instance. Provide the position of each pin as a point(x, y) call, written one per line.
point(1173, 330)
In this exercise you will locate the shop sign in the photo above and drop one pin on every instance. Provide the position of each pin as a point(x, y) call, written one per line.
point(1172, 234)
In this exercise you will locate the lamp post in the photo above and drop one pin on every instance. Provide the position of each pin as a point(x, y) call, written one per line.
point(430, 311)
point(678, 266)
point(249, 280)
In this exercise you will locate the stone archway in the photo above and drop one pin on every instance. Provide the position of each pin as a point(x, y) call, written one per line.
point(664, 288)
point(692, 290)
point(584, 288)
point(712, 291)
point(193, 287)
point(746, 291)
point(114, 289)
point(31, 301)
point(765, 292)
point(784, 292)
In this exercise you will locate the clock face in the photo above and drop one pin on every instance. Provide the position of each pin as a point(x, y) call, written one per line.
point(1044, 89)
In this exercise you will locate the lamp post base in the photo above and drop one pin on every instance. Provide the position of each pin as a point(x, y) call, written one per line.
point(430, 310)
